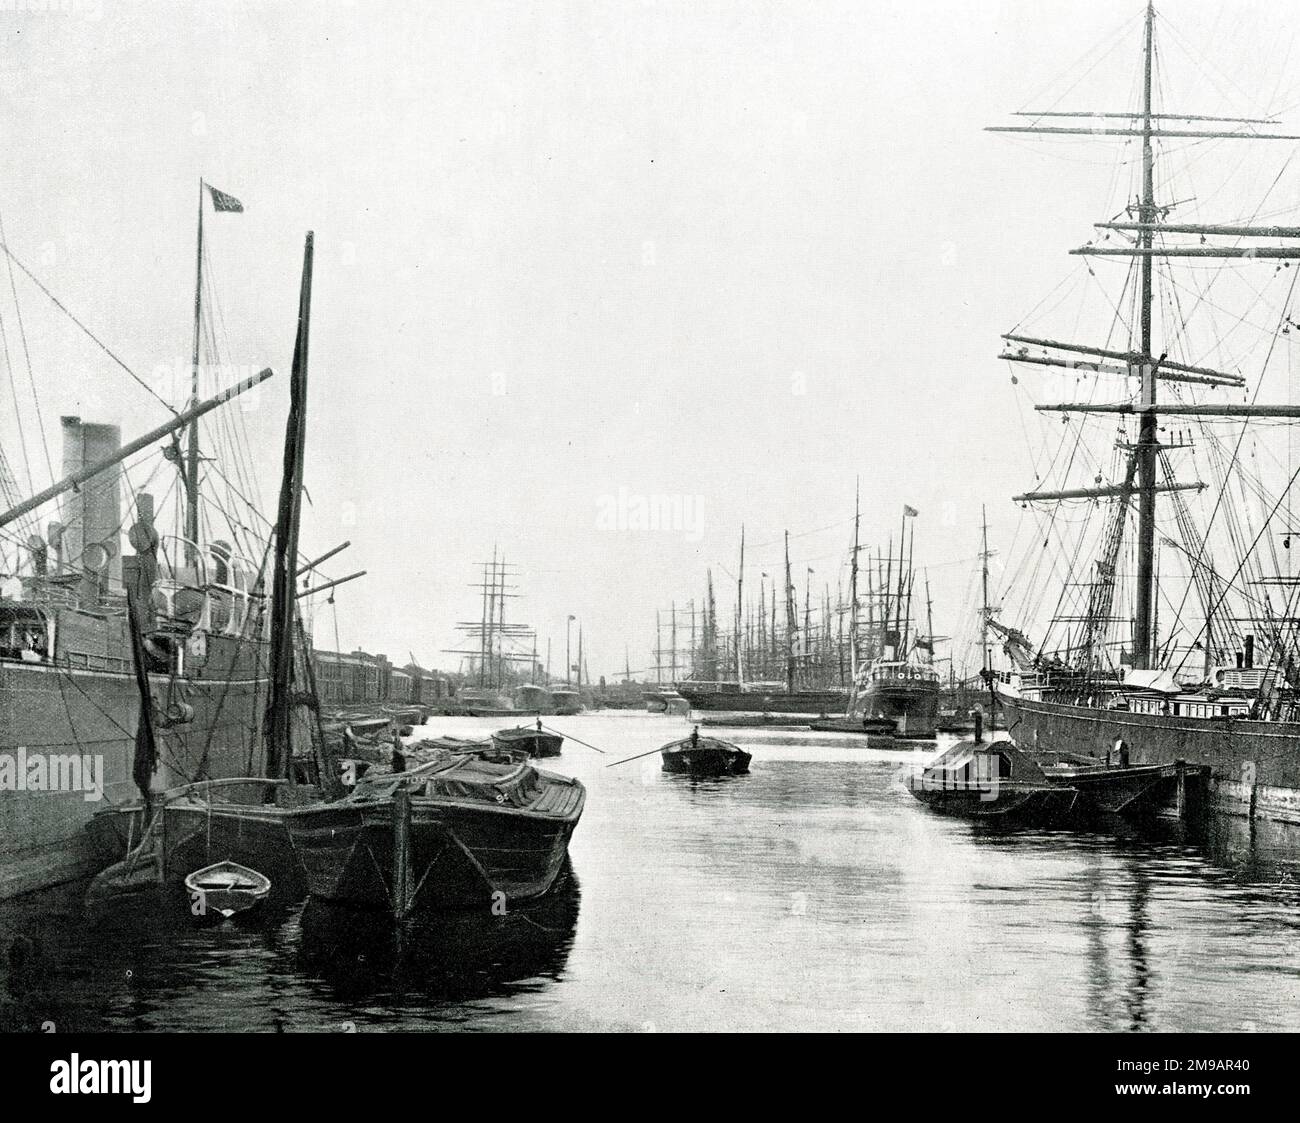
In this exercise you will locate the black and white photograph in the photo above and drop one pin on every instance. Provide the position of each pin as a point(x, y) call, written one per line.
point(650, 517)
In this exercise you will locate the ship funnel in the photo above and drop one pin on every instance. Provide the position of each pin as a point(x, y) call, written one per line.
point(93, 514)
point(1241, 660)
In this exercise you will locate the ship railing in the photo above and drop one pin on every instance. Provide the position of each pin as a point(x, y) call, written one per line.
point(57, 591)
point(204, 592)
point(230, 592)
point(180, 595)
point(703, 686)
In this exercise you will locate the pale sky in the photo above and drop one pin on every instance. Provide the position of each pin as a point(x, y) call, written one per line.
point(730, 254)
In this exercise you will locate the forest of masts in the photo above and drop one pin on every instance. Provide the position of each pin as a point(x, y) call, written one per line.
point(815, 638)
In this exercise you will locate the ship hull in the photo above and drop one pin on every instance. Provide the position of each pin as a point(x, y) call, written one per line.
point(460, 856)
point(567, 704)
point(706, 762)
point(819, 702)
point(49, 712)
point(533, 742)
point(1254, 765)
point(1019, 803)
point(914, 710)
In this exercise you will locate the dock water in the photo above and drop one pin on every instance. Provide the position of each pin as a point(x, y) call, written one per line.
point(817, 867)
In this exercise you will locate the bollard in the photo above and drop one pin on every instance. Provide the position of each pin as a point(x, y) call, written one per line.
point(979, 727)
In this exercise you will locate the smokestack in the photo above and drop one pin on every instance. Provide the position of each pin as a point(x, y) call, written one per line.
point(93, 513)
point(1240, 660)
point(1250, 652)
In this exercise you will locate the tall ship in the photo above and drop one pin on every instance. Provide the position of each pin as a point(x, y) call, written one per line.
point(1174, 623)
point(494, 650)
point(70, 704)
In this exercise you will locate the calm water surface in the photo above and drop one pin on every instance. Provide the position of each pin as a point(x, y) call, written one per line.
point(815, 893)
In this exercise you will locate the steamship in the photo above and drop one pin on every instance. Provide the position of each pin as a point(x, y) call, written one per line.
point(900, 684)
point(68, 688)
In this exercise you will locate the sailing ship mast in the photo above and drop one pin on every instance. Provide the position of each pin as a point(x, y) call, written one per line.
point(192, 455)
point(791, 625)
point(1146, 220)
point(929, 618)
point(279, 705)
point(740, 618)
point(853, 585)
point(659, 651)
point(222, 202)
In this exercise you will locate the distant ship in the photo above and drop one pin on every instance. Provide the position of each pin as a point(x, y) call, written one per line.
point(900, 684)
point(567, 702)
point(534, 699)
point(761, 698)
point(664, 700)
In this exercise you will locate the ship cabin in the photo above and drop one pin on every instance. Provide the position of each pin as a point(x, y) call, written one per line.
point(1229, 692)
point(63, 595)
point(199, 607)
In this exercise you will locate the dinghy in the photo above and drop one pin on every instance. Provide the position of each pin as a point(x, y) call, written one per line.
point(225, 888)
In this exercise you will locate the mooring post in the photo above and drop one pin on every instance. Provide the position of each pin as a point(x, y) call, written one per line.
point(979, 727)
point(401, 852)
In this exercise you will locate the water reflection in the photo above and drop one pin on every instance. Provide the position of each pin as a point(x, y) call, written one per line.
point(456, 957)
point(1180, 925)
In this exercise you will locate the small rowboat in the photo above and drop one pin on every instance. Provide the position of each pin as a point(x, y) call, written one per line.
point(705, 756)
point(537, 742)
point(225, 888)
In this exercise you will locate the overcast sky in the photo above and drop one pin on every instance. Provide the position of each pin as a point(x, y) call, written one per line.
point(575, 256)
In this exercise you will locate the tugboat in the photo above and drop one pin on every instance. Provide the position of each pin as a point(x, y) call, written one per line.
point(534, 699)
point(705, 756)
point(567, 702)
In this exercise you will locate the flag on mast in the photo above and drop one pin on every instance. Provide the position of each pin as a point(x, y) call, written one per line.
point(909, 512)
point(223, 202)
